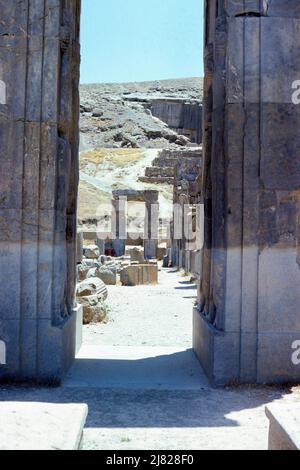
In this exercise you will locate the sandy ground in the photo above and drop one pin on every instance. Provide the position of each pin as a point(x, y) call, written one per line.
point(158, 315)
point(177, 408)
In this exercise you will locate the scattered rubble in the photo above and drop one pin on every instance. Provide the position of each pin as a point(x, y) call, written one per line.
point(96, 273)
point(91, 294)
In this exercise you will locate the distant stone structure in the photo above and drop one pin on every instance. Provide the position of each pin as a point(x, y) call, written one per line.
point(150, 198)
point(164, 167)
point(186, 198)
point(184, 117)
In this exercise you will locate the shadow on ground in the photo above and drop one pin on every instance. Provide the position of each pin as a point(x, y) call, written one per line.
point(111, 408)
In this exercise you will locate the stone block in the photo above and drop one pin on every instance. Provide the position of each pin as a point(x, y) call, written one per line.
point(107, 275)
point(284, 429)
point(92, 286)
point(161, 252)
point(139, 275)
point(38, 181)
point(279, 281)
point(41, 426)
point(94, 309)
point(136, 254)
point(91, 251)
point(275, 358)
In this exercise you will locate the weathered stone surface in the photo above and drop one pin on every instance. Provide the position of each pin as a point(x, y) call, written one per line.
point(284, 432)
point(82, 272)
point(91, 251)
point(139, 274)
point(79, 247)
point(187, 188)
point(94, 309)
point(161, 252)
point(248, 316)
point(41, 426)
point(108, 276)
point(165, 168)
point(39, 58)
point(92, 286)
point(91, 295)
point(150, 198)
point(91, 263)
point(136, 254)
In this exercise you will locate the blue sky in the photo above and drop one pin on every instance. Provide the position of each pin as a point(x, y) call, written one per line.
point(136, 40)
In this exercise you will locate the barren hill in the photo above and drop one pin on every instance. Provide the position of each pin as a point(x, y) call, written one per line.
point(158, 114)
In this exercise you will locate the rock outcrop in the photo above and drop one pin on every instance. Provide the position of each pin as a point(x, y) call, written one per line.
point(164, 114)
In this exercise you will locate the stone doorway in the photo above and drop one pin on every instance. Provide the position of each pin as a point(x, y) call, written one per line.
point(247, 322)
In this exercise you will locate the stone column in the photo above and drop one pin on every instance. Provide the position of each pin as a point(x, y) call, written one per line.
point(249, 313)
point(39, 64)
point(151, 224)
point(119, 225)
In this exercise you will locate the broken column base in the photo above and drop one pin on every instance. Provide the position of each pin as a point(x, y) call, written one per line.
point(214, 351)
point(44, 353)
point(141, 274)
point(228, 358)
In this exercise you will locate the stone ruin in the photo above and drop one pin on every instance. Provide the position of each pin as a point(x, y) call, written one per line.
point(96, 271)
point(129, 265)
point(187, 188)
point(247, 318)
point(183, 116)
point(150, 198)
point(163, 169)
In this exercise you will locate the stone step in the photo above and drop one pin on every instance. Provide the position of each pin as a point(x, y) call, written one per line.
point(156, 180)
point(136, 368)
point(41, 426)
point(165, 162)
point(284, 431)
point(160, 172)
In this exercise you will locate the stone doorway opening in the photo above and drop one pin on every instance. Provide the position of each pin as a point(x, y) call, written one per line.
point(139, 142)
point(243, 330)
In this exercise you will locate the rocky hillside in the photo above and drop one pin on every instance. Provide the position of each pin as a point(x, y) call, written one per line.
point(123, 115)
point(104, 170)
point(121, 137)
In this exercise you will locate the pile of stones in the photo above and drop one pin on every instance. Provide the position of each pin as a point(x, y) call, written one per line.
point(91, 294)
point(95, 272)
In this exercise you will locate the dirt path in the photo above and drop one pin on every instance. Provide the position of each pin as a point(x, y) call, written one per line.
point(159, 315)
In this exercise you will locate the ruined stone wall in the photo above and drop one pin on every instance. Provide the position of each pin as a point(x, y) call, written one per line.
point(39, 63)
point(183, 117)
point(250, 292)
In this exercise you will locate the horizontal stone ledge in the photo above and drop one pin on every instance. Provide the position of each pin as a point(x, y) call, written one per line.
point(41, 426)
point(284, 433)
